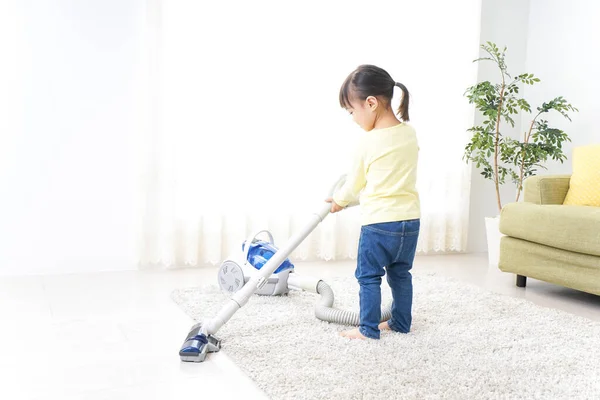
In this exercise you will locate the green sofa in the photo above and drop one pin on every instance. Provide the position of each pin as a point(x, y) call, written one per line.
point(548, 241)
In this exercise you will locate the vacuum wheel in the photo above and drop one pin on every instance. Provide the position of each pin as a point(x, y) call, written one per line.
point(231, 277)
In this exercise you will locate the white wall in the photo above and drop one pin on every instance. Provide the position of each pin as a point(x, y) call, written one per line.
point(563, 51)
point(506, 24)
point(67, 174)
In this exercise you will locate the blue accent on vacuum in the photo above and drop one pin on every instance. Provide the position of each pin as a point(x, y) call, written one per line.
point(261, 251)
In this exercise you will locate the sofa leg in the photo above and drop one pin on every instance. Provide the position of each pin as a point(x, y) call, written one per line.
point(521, 281)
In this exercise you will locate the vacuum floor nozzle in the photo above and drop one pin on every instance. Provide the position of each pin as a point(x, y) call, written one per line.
point(197, 345)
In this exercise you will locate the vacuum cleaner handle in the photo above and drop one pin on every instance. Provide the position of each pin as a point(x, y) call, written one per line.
point(337, 185)
point(340, 182)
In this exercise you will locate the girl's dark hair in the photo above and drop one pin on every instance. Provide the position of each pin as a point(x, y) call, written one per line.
point(369, 80)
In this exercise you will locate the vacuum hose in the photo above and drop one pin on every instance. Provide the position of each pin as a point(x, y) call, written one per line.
point(325, 311)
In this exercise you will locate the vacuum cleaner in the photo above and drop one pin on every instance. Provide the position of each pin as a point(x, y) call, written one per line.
point(261, 268)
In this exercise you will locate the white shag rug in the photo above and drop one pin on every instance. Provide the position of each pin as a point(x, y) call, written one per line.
point(466, 343)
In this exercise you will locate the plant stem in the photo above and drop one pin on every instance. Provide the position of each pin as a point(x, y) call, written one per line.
point(522, 168)
point(496, 146)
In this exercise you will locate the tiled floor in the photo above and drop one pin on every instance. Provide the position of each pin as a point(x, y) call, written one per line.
point(115, 335)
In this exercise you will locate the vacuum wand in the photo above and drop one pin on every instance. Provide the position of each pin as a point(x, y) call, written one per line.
point(200, 339)
point(240, 298)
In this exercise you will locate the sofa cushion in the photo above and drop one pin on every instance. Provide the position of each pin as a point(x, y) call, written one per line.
point(572, 228)
point(584, 187)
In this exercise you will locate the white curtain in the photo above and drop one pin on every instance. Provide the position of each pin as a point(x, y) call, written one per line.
point(243, 130)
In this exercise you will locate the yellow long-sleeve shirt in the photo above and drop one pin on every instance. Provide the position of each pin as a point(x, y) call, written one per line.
point(383, 176)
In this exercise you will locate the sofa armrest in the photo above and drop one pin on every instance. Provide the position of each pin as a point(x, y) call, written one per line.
point(546, 189)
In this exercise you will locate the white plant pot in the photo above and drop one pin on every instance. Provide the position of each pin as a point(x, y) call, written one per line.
point(492, 228)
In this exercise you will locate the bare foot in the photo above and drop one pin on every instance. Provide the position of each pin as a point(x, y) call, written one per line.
point(353, 334)
point(384, 326)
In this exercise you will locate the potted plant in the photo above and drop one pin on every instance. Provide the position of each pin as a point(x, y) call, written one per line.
point(500, 157)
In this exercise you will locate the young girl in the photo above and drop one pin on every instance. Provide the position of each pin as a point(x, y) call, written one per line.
point(384, 173)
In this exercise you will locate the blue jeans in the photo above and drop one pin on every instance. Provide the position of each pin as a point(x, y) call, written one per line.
point(386, 247)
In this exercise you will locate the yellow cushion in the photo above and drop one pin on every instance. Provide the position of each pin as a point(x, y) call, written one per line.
point(584, 187)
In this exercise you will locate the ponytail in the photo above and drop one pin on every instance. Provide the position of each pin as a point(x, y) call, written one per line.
point(403, 109)
point(369, 80)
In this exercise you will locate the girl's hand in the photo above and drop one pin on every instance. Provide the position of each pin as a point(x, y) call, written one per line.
point(335, 207)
